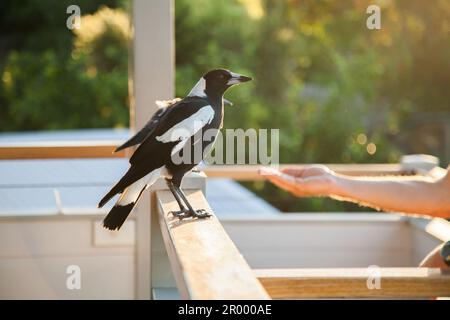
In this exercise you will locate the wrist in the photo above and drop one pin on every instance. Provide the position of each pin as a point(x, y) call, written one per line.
point(338, 186)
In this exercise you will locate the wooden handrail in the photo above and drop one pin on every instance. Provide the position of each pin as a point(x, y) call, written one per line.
point(104, 149)
point(60, 150)
point(352, 283)
point(207, 265)
point(250, 172)
point(205, 262)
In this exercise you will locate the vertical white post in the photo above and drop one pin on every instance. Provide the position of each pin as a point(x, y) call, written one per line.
point(152, 70)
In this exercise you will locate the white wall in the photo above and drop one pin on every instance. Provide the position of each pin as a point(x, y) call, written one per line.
point(35, 254)
point(328, 240)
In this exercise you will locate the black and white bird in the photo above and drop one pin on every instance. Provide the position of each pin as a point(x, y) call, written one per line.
point(174, 128)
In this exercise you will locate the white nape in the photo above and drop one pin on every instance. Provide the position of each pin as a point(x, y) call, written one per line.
point(199, 89)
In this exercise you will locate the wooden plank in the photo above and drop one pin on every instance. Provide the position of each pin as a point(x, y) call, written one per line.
point(94, 149)
point(67, 150)
point(101, 149)
point(205, 262)
point(250, 172)
point(352, 283)
point(63, 150)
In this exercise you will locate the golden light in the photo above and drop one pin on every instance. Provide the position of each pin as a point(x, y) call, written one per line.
point(371, 148)
point(7, 78)
point(94, 25)
point(254, 8)
point(361, 138)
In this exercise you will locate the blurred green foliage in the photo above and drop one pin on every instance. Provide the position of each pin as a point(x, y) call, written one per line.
point(328, 83)
point(56, 78)
point(320, 75)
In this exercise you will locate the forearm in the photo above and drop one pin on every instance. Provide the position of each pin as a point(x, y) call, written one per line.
point(401, 194)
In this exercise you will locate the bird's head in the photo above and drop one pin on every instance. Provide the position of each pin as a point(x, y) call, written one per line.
point(215, 82)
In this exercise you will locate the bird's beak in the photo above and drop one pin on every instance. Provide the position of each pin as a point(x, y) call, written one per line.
point(237, 78)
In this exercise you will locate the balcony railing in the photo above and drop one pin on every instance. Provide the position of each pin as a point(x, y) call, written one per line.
point(206, 264)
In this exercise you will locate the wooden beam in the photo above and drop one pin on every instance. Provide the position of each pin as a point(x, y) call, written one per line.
point(250, 172)
point(352, 283)
point(62, 150)
point(94, 149)
point(205, 262)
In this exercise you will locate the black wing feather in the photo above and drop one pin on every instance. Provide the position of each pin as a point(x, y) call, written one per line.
point(175, 114)
point(151, 153)
point(147, 130)
point(151, 125)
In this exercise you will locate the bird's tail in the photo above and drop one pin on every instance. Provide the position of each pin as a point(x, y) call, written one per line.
point(117, 216)
point(127, 200)
point(128, 179)
point(119, 213)
point(108, 196)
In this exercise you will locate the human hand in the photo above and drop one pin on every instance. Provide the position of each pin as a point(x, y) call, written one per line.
point(314, 180)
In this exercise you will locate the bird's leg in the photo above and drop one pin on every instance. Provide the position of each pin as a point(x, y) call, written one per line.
point(183, 212)
point(201, 213)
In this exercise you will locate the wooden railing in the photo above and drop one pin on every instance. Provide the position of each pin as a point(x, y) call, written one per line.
point(250, 172)
point(60, 150)
point(353, 283)
point(105, 149)
point(205, 262)
point(207, 265)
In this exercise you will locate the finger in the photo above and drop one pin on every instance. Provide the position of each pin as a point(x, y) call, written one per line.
point(280, 182)
point(312, 186)
point(298, 186)
point(280, 185)
point(274, 179)
point(293, 171)
point(288, 185)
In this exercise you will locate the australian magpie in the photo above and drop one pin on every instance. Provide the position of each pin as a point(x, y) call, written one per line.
point(163, 106)
point(170, 131)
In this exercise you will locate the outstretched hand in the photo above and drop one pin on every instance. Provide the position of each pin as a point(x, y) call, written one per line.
point(314, 180)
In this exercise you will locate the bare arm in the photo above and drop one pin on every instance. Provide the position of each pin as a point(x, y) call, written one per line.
point(418, 195)
point(414, 195)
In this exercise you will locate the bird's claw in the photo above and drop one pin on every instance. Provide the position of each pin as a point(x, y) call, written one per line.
point(182, 214)
point(202, 213)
